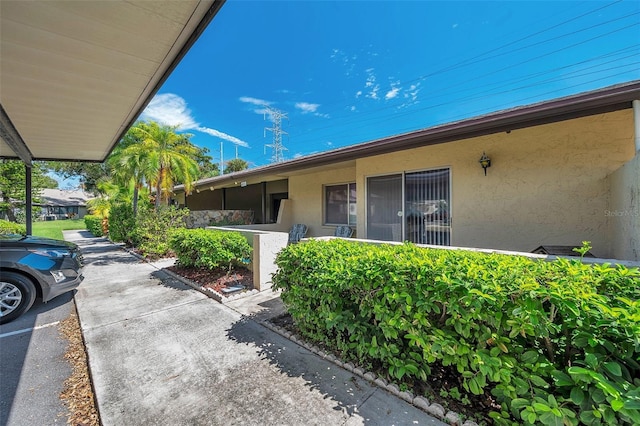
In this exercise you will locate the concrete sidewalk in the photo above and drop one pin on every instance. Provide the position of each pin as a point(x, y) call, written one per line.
point(161, 353)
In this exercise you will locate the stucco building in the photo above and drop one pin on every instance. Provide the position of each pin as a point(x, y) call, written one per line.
point(561, 172)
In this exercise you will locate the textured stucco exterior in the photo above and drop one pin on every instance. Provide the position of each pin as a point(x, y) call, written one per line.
point(547, 184)
point(306, 197)
point(624, 211)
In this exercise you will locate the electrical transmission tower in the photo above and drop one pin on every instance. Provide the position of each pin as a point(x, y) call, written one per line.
point(278, 148)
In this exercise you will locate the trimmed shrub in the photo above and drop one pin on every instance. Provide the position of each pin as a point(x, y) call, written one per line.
point(154, 227)
point(210, 249)
point(553, 342)
point(122, 224)
point(7, 227)
point(94, 225)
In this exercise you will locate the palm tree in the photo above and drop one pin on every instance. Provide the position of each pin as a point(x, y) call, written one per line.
point(236, 165)
point(164, 157)
point(130, 165)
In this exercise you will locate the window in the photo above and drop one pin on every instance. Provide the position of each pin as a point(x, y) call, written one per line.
point(340, 204)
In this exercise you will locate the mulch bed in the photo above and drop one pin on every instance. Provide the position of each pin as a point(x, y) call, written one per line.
point(77, 394)
point(217, 279)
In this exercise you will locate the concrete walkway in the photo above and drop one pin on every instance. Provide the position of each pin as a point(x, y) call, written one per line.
point(161, 353)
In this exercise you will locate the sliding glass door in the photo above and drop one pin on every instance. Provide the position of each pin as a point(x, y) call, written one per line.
point(384, 208)
point(410, 207)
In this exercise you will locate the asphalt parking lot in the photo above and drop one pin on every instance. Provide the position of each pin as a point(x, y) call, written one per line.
point(32, 365)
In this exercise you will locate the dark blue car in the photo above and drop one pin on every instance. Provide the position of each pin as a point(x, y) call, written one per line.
point(33, 267)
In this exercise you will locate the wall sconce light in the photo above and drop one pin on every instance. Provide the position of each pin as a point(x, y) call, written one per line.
point(485, 162)
point(197, 191)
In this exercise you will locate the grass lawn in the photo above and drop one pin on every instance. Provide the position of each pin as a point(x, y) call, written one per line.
point(54, 228)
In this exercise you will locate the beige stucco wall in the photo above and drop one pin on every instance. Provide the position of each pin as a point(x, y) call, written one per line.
point(624, 211)
point(306, 197)
point(547, 184)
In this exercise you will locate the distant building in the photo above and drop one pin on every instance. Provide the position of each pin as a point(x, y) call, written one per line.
point(59, 204)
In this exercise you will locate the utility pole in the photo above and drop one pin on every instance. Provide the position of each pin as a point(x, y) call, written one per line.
point(221, 159)
point(278, 148)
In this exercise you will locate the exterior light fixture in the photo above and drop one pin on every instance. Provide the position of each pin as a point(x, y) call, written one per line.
point(485, 162)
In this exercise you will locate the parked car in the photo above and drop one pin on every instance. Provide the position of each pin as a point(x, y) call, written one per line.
point(33, 267)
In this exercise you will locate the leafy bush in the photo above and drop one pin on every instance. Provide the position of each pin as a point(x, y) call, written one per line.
point(7, 227)
point(94, 224)
point(154, 227)
point(210, 249)
point(122, 224)
point(552, 342)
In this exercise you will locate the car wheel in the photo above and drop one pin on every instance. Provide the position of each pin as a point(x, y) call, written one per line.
point(17, 294)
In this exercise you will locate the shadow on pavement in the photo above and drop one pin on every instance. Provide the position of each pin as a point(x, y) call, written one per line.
point(168, 281)
point(334, 383)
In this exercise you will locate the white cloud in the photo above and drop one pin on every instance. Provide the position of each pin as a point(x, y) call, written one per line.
point(358, 93)
point(255, 101)
point(306, 107)
point(454, 26)
point(172, 110)
point(373, 94)
point(353, 108)
point(370, 84)
point(221, 135)
point(392, 93)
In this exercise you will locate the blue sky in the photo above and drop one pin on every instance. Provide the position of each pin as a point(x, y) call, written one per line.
point(353, 71)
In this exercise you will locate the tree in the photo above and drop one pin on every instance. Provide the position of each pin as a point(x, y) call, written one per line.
point(90, 174)
point(130, 164)
point(236, 165)
point(207, 167)
point(168, 157)
point(13, 185)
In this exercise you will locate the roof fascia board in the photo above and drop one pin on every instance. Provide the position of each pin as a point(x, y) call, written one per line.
point(10, 135)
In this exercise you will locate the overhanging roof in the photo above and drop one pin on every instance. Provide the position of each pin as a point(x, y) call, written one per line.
point(75, 75)
point(608, 99)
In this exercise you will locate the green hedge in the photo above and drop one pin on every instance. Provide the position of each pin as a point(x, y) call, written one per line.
point(553, 342)
point(94, 224)
point(122, 224)
point(210, 249)
point(7, 227)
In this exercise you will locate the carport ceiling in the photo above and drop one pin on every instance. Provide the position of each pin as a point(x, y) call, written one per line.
point(74, 75)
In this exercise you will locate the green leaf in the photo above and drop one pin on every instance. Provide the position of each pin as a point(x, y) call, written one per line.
point(541, 407)
point(606, 386)
point(613, 368)
point(591, 360)
point(617, 404)
point(632, 405)
point(538, 381)
point(518, 403)
point(551, 419)
point(529, 357)
point(474, 387)
point(577, 395)
point(561, 378)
